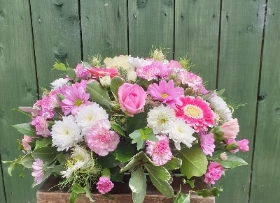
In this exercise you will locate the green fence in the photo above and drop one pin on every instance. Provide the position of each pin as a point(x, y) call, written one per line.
point(233, 44)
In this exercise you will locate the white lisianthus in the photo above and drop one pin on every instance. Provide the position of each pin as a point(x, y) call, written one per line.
point(181, 132)
point(58, 83)
point(105, 81)
point(220, 106)
point(65, 133)
point(88, 115)
point(160, 119)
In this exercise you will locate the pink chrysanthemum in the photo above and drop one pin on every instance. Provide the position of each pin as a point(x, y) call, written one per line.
point(41, 126)
point(165, 92)
point(75, 97)
point(100, 139)
point(153, 71)
point(159, 151)
point(38, 172)
point(196, 112)
point(207, 143)
point(104, 185)
point(214, 172)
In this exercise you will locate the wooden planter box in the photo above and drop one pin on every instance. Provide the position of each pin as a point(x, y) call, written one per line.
point(120, 193)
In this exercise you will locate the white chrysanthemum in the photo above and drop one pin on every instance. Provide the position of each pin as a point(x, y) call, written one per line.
point(220, 106)
point(80, 160)
point(160, 119)
point(138, 62)
point(58, 83)
point(88, 115)
point(181, 132)
point(65, 133)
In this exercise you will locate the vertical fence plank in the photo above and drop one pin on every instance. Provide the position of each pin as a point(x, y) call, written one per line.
point(56, 36)
point(2, 191)
point(265, 177)
point(150, 23)
point(104, 27)
point(18, 87)
point(197, 35)
point(240, 48)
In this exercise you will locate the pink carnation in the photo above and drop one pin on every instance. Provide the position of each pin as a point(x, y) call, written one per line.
point(100, 139)
point(38, 172)
point(25, 142)
point(81, 71)
point(243, 145)
point(153, 71)
point(230, 129)
point(214, 172)
point(232, 145)
point(104, 185)
point(207, 143)
point(41, 126)
point(160, 150)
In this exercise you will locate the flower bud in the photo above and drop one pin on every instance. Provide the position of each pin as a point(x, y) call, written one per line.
point(105, 81)
point(223, 156)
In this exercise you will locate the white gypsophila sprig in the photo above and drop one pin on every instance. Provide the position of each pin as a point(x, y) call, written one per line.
point(160, 119)
point(58, 83)
point(88, 115)
point(220, 107)
point(65, 133)
point(180, 132)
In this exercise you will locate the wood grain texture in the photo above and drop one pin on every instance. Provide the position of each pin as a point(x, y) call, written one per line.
point(265, 177)
point(17, 87)
point(56, 36)
point(239, 64)
point(2, 190)
point(150, 24)
point(104, 27)
point(197, 35)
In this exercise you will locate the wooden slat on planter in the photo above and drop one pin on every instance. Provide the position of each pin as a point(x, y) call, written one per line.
point(150, 23)
point(104, 28)
point(240, 49)
point(265, 176)
point(17, 87)
point(197, 35)
point(120, 194)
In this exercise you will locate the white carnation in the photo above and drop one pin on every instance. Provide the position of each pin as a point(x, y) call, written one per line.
point(220, 106)
point(181, 132)
point(65, 133)
point(88, 115)
point(160, 119)
point(58, 83)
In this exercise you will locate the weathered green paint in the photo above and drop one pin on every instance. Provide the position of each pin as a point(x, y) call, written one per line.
point(104, 27)
point(197, 35)
point(150, 23)
point(266, 163)
point(56, 36)
point(240, 48)
point(17, 87)
point(2, 191)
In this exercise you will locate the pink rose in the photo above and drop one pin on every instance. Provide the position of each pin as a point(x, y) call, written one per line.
point(132, 98)
point(230, 129)
point(104, 185)
point(243, 145)
point(214, 172)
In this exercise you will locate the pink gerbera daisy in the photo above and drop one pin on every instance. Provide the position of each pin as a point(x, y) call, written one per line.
point(75, 96)
point(160, 150)
point(196, 112)
point(165, 92)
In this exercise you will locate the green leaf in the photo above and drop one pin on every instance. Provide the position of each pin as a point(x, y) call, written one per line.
point(124, 151)
point(59, 66)
point(27, 161)
point(115, 175)
point(138, 185)
point(189, 182)
point(43, 143)
point(137, 138)
point(47, 154)
point(77, 188)
point(88, 193)
point(208, 193)
point(117, 128)
point(108, 161)
point(13, 164)
point(71, 73)
point(182, 198)
point(173, 164)
point(116, 82)
point(136, 122)
point(62, 158)
point(158, 171)
point(98, 94)
point(232, 161)
point(73, 197)
point(26, 129)
point(194, 161)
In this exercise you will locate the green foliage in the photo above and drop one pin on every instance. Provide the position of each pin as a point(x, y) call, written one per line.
point(182, 198)
point(26, 129)
point(207, 193)
point(116, 82)
point(117, 128)
point(59, 66)
point(232, 160)
point(108, 161)
point(48, 154)
point(136, 122)
point(173, 164)
point(138, 185)
point(186, 63)
point(140, 136)
point(194, 161)
point(125, 151)
point(43, 143)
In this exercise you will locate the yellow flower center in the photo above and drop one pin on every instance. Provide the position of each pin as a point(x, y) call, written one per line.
point(193, 111)
point(78, 102)
point(164, 95)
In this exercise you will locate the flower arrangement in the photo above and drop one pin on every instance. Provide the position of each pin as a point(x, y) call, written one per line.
point(143, 117)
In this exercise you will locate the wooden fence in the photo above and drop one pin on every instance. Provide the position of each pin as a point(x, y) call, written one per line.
point(234, 44)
